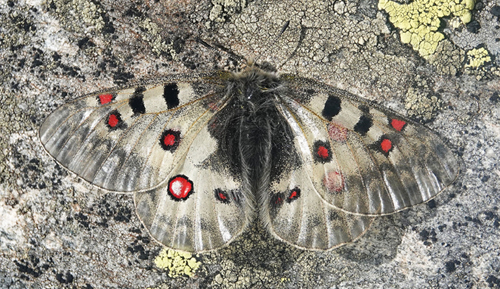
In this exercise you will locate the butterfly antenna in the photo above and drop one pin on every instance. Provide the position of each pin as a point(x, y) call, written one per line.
point(218, 48)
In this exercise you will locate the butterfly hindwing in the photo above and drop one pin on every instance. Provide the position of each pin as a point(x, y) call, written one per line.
point(201, 207)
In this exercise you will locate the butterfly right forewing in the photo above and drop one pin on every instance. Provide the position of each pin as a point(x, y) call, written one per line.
point(129, 139)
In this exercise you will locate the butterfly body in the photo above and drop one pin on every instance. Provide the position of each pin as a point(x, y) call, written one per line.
point(205, 155)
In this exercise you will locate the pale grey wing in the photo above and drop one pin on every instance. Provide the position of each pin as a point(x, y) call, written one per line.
point(365, 159)
point(201, 207)
point(129, 139)
point(293, 210)
point(153, 140)
point(296, 214)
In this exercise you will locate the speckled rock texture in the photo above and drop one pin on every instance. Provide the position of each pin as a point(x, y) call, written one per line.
point(57, 231)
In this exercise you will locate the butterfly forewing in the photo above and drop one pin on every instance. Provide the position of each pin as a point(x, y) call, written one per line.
point(129, 139)
point(367, 160)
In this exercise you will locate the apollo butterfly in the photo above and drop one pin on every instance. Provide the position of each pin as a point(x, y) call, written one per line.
point(205, 154)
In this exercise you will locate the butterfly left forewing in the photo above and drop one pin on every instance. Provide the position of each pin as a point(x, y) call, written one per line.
point(366, 159)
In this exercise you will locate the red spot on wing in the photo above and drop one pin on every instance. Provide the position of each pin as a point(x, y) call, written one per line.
point(113, 120)
point(180, 187)
point(223, 196)
point(105, 98)
point(386, 145)
point(334, 182)
point(277, 200)
point(397, 124)
point(322, 152)
point(293, 195)
point(169, 140)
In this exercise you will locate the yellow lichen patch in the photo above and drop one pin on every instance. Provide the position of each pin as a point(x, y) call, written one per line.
point(177, 263)
point(477, 57)
point(420, 20)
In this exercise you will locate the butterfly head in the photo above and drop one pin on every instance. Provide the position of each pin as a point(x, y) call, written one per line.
point(255, 85)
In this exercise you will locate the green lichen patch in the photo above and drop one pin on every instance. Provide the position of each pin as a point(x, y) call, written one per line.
point(419, 20)
point(177, 263)
point(477, 64)
point(477, 57)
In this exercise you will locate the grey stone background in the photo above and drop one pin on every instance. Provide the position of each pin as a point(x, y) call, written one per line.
point(56, 231)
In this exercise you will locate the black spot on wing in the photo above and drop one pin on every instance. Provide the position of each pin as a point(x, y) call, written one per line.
point(171, 95)
point(364, 124)
point(332, 107)
point(136, 102)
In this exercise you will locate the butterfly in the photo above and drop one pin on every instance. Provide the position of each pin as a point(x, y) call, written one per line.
point(207, 154)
